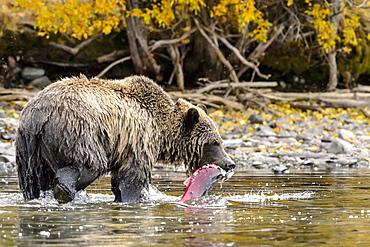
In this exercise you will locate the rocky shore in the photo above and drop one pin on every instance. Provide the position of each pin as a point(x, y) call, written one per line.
point(293, 139)
point(279, 140)
point(9, 115)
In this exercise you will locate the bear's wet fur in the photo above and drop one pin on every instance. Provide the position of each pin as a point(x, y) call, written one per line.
point(76, 130)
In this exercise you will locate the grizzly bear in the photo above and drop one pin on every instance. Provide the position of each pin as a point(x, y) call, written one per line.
point(76, 130)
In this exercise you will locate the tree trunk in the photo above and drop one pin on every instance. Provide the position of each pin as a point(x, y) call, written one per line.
point(201, 59)
point(177, 66)
point(333, 71)
point(138, 42)
point(332, 61)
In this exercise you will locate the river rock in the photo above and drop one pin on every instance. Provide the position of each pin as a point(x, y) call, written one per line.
point(344, 134)
point(4, 105)
point(280, 169)
point(314, 133)
point(264, 130)
point(7, 158)
point(7, 167)
point(255, 118)
point(233, 143)
point(30, 73)
point(41, 82)
point(10, 151)
point(339, 146)
point(261, 161)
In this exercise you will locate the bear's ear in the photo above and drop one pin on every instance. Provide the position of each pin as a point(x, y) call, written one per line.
point(203, 107)
point(191, 119)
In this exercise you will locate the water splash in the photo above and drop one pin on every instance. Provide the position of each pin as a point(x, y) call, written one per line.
point(155, 195)
point(262, 196)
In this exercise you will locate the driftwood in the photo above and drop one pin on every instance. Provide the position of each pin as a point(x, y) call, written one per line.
point(16, 94)
point(240, 95)
point(324, 95)
point(208, 98)
point(362, 88)
point(210, 87)
point(252, 94)
point(366, 113)
point(306, 107)
point(59, 64)
point(347, 103)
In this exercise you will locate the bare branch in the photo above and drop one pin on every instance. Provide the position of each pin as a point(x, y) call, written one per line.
point(219, 54)
point(112, 56)
point(161, 43)
point(76, 49)
point(176, 60)
point(112, 65)
point(241, 58)
point(262, 46)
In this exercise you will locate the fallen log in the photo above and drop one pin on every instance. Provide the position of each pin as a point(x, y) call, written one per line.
point(15, 97)
point(256, 84)
point(345, 103)
point(324, 95)
point(17, 92)
point(361, 88)
point(209, 98)
point(306, 107)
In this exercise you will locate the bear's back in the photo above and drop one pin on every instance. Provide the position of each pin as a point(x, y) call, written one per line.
point(106, 114)
point(99, 92)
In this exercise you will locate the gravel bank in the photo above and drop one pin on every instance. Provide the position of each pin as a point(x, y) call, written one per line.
point(278, 142)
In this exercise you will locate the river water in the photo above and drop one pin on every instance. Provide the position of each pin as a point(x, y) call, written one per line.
point(253, 208)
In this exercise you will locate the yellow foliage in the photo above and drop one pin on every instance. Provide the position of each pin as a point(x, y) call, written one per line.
point(327, 31)
point(164, 12)
point(77, 18)
point(84, 18)
point(242, 12)
point(328, 37)
point(350, 23)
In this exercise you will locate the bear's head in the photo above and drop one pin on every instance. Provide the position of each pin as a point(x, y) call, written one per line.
point(200, 139)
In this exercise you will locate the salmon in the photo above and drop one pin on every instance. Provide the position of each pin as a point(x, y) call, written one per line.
point(203, 180)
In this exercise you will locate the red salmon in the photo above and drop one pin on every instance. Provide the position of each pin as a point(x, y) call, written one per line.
point(203, 180)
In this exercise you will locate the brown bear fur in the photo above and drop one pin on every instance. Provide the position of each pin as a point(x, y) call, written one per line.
point(76, 130)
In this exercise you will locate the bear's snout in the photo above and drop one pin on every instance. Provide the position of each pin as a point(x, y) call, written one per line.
point(215, 154)
point(230, 165)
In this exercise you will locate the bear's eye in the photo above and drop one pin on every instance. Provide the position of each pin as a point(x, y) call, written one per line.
point(215, 143)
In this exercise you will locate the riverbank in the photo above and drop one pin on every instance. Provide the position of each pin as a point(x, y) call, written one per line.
point(288, 138)
point(278, 140)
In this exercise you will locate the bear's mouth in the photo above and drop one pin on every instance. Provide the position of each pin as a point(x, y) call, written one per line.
point(203, 180)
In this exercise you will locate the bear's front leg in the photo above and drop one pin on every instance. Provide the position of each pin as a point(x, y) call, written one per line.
point(127, 184)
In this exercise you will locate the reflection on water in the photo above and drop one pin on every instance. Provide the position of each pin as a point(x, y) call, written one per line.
point(300, 209)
